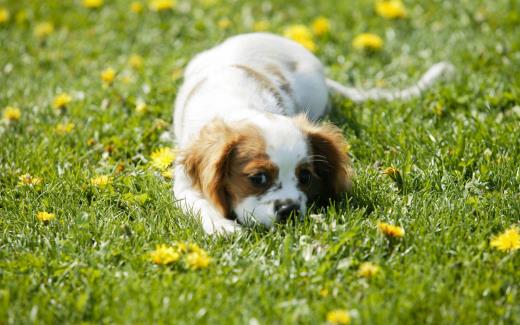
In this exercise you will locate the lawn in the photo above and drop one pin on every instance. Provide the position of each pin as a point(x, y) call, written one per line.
point(454, 183)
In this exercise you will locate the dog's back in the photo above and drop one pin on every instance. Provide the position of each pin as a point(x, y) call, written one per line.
point(252, 72)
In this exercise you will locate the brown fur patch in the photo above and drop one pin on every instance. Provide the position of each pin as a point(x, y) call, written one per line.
point(332, 172)
point(263, 81)
point(280, 77)
point(220, 160)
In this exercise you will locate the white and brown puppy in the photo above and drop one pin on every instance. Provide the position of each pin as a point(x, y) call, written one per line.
point(244, 123)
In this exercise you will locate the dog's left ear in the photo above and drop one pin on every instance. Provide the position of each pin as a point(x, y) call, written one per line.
point(330, 157)
point(207, 162)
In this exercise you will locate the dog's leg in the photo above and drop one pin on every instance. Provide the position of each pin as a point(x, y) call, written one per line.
point(360, 95)
point(192, 201)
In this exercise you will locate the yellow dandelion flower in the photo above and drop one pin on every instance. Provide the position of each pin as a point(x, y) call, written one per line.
point(168, 174)
point(320, 26)
point(136, 7)
point(338, 316)
point(208, 3)
point(101, 181)
point(367, 41)
point(65, 128)
point(12, 114)
point(61, 101)
point(4, 15)
point(136, 61)
point(21, 17)
point(368, 270)
point(302, 35)
point(193, 247)
point(92, 4)
point(141, 107)
point(324, 292)
point(45, 216)
point(44, 29)
point(162, 158)
point(224, 23)
point(261, 25)
point(508, 240)
point(108, 75)
point(197, 260)
point(164, 254)
point(180, 247)
point(390, 230)
point(393, 173)
point(390, 9)
point(162, 5)
point(29, 180)
point(177, 74)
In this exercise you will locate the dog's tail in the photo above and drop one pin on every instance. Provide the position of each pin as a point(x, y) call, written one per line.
point(360, 95)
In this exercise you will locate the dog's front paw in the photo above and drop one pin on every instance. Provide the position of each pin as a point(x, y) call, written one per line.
point(221, 227)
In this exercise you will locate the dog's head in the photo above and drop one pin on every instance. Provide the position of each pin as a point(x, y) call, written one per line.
point(264, 171)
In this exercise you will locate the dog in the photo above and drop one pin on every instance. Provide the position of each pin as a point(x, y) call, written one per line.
point(245, 125)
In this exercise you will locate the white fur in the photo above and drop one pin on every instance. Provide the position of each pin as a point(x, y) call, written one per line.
point(228, 93)
point(287, 147)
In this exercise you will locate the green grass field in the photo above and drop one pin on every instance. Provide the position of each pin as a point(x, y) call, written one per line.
point(457, 150)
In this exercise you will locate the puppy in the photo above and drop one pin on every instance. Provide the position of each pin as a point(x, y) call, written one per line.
point(244, 123)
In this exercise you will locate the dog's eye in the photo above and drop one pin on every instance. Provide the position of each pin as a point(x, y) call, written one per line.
point(259, 179)
point(304, 177)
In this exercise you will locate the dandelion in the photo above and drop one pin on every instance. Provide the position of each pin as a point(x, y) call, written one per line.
point(162, 158)
point(168, 174)
point(367, 41)
point(368, 270)
point(101, 181)
point(507, 241)
point(61, 101)
point(163, 255)
point(177, 74)
point(181, 247)
point(135, 61)
point(12, 114)
point(44, 29)
point(65, 128)
point(324, 292)
point(162, 5)
point(136, 7)
point(391, 171)
point(45, 216)
point(29, 180)
point(141, 107)
point(4, 15)
point(224, 23)
point(21, 17)
point(108, 75)
point(208, 3)
point(261, 25)
point(390, 9)
point(390, 230)
point(92, 4)
point(320, 26)
point(302, 35)
point(198, 259)
point(338, 316)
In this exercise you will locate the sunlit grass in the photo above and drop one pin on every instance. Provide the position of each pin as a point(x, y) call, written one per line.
point(86, 91)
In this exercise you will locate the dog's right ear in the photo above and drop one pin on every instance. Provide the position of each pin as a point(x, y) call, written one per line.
point(206, 161)
point(332, 164)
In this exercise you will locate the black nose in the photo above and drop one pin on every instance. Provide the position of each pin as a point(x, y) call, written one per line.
point(284, 210)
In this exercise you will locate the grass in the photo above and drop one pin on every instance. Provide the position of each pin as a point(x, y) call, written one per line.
point(457, 149)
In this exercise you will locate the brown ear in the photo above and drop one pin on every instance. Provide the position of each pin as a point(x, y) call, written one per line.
point(207, 162)
point(330, 159)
